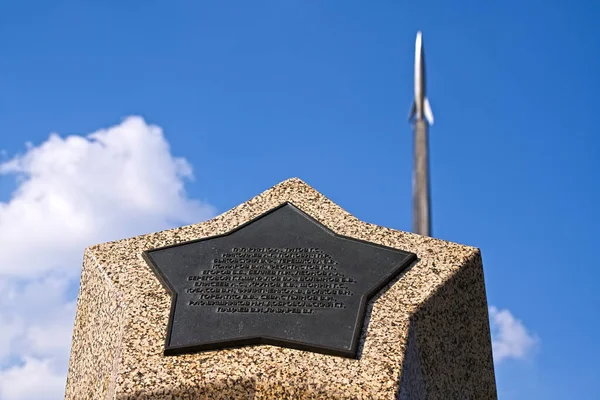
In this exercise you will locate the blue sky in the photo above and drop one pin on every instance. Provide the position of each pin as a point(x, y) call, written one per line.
point(252, 93)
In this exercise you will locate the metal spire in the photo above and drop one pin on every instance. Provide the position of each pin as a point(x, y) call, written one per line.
point(422, 117)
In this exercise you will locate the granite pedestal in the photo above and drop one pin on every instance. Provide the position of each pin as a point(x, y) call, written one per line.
point(424, 333)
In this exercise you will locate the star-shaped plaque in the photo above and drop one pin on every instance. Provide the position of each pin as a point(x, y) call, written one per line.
point(282, 279)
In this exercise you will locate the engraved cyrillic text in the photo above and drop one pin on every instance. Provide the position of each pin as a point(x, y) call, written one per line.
point(270, 280)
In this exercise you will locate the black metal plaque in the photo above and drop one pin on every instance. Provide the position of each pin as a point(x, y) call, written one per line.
point(282, 279)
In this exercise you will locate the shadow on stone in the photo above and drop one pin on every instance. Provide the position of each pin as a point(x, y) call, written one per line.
point(448, 353)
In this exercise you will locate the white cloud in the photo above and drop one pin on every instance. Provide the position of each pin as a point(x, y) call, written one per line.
point(510, 338)
point(34, 380)
point(39, 316)
point(76, 191)
point(73, 192)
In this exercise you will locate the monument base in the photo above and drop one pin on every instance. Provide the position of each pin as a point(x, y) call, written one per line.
point(426, 333)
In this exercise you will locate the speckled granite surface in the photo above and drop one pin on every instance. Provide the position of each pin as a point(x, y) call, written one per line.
point(426, 334)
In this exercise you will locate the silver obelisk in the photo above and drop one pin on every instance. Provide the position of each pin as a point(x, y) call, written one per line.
point(422, 117)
